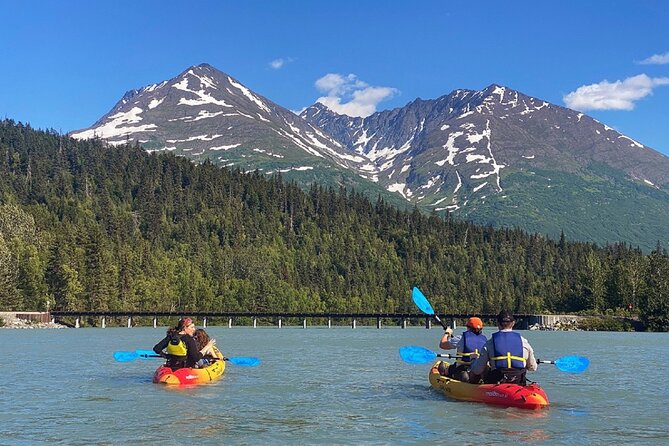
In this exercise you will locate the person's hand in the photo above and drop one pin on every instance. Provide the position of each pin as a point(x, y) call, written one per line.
point(449, 331)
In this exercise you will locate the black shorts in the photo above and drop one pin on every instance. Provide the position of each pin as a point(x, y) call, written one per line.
point(507, 376)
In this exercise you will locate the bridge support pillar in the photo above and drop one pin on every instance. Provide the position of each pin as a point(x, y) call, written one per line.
point(76, 322)
point(353, 323)
point(403, 323)
point(378, 322)
point(230, 323)
point(129, 321)
point(204, 323)
point(104, 322)
point(279, 322)
point(329, 322)
point(255, 322)
point(453, 325)
point(304, 323)
point(428, 323)
point(155, 321)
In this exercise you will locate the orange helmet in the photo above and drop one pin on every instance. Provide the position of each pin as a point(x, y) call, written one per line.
point(475, 323)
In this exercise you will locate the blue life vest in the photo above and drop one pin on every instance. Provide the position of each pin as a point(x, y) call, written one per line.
point(508, 350)
point(472, 345)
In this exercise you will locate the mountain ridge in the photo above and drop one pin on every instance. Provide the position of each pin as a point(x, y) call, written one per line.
point(472, 154)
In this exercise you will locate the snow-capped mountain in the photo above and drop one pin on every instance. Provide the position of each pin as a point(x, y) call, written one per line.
point(206, 114)
point(495, 156)
point(445, 152)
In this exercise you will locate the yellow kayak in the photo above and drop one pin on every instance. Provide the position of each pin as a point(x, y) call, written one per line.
point(531, 396)
point(187, 375)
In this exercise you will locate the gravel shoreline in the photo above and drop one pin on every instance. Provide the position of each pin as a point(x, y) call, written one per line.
point(12, 322)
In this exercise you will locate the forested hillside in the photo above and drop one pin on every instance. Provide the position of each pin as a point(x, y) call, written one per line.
point(89, 227)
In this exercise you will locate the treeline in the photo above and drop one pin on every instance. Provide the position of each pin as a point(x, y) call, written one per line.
point(89, 227)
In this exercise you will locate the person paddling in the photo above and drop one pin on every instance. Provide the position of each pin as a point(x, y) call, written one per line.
point(468, 347)
point(179, 347)
point(507, 354)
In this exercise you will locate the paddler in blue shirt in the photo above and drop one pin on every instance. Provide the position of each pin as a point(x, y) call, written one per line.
point(468, 347)
point(507, 354)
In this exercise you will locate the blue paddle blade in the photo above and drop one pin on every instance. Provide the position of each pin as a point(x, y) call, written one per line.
point(417, 355)
point(572, 364)
point(421, 301)
point(245, 361)
point(125, 356)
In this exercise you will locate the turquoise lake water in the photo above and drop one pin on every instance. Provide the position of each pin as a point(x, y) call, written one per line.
point(320, 386)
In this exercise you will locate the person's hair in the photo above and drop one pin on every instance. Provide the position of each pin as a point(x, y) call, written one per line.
point(171, 331)
point(201, 338)
point(184, 322)
point(505, 318)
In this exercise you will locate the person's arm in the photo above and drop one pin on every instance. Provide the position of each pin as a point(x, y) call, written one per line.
point(208, 349)
point(159, 347)
point(448, 342)
point(193, 353)
point(530, 361)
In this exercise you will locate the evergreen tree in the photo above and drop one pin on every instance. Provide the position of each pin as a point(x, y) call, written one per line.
point(654, 308)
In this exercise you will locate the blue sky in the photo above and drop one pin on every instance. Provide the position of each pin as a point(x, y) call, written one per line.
point(63, 64)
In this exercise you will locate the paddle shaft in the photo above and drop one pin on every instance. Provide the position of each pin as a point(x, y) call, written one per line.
point(447, 355)
point(209, 359)
point(440, 321)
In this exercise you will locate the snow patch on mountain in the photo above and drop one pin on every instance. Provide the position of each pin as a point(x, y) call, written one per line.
point(245, 91)
point(119, 125)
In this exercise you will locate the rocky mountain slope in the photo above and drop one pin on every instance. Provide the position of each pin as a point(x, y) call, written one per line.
point(497, 156)
point(204, 113)
point(494, 156)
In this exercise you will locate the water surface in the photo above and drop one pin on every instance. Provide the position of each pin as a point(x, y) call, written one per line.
point(320, 386)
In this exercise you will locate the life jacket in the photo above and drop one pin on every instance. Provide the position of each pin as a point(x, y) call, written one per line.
point(176, 348)
point(508, 350)
point(471, 348)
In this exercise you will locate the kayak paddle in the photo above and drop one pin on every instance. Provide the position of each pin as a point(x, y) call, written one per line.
point(569, 364)
point(150, 354)
point(414, 354)
point(422, 303)
point(420, 355)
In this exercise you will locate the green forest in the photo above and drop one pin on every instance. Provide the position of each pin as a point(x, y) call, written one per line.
point(89, 227)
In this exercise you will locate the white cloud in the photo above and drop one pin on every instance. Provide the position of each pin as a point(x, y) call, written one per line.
point(350, 96)
point(277, 64)
point(618, 95)
point(656, 59)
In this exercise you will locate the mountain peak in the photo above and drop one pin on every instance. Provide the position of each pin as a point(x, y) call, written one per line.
point(496, 154)
point(205, 113)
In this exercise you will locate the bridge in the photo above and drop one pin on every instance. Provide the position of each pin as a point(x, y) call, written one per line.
point(523, 321)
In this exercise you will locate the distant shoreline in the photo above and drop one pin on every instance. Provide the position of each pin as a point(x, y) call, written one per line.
point(12, 322)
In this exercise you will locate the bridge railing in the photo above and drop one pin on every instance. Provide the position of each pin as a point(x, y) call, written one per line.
point(279, 318)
